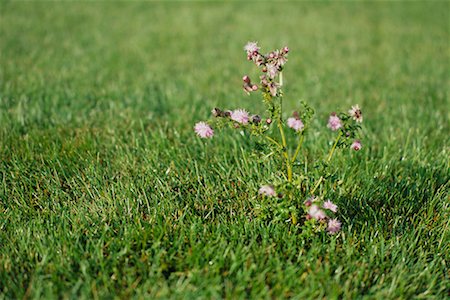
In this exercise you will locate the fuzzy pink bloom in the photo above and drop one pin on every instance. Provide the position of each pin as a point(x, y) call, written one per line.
point(334, 123)
point(295, 124)
point(272, 70)
point(251, 47)
point(316, 213)
point(356, 113)
point(330, 205)
point(334, 226)
point(240, 116)
point(203, 130)
point(267, 190)
point(356, 145)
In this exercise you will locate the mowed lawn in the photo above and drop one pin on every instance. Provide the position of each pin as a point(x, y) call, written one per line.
point(105, 191)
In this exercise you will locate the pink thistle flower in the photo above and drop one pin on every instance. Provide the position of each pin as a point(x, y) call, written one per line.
point(267, 190)
point(330, 205)
point(334, 123)
point(281, 61)
point(316, 213)
point(203, 130)
point(251, 47)
point(272, 70)
point(356, 145)
point(334, 226)
point(295, 124)
point(240, 116)
point(356, 113)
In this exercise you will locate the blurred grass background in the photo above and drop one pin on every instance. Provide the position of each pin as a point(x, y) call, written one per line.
point(106, 191)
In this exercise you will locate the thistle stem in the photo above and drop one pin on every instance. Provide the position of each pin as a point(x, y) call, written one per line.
point(330, 155)
point(334, 147)
point(285, 151)
point(275, 142)
point(299, 146)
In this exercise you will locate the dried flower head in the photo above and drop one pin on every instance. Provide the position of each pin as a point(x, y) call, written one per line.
point(356, 113)
point(256, 119)
point(217, 112)
point(203, 130)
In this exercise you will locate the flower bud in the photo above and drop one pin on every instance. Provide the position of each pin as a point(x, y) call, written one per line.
point(254, 87)
point(246, 79)
point(269, 121)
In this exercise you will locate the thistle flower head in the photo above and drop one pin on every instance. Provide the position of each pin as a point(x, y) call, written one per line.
point(267, 190)
point(251, 48)
point(295, 124)
point(203, 130)
point(316, 213)
point(330, 206)
point(356, 113)
point(272, 70)
point(240, 115)
point(356, 145)
point(334, 123)
point(334, 225)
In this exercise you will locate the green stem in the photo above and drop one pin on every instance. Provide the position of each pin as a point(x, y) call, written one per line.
point(275, 142)
point(299, 146)
point(334, 147)
point(330, 155)
point(285, 149)
point(285, 152)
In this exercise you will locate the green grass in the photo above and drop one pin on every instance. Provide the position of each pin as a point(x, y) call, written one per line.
point(106, 192)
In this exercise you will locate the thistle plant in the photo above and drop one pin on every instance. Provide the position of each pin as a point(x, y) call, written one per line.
point(295, 196)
